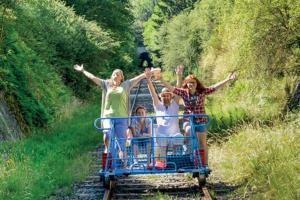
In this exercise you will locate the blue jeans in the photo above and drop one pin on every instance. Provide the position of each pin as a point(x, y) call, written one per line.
point(120, 126)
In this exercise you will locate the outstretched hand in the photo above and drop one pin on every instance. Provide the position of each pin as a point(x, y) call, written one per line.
point(78, 68)
point(231, 76)
point(179, 69)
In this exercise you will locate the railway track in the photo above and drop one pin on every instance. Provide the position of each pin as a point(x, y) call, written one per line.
point(140, 95)
point(174, 186)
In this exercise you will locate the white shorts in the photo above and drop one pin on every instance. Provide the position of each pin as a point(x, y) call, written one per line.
point(106, 123)
point(170, 140)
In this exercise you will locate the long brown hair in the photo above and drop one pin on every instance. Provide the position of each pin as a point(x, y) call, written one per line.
point(200, 87)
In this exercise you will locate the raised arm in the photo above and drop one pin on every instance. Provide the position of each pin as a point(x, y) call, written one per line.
point(137, 79)
point(87, 74)
point(230, 77)
point(152, 92)
point(179, 71)
point(166, 84)
point(146, 74)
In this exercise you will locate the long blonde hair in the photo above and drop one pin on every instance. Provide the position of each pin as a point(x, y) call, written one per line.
point(116, 71)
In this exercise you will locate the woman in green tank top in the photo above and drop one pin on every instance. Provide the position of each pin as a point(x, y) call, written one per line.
point(115, 102)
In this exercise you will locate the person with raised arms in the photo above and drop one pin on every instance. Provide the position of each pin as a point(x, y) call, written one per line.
point(115, 103)
point(193, 93)
point(167, 127)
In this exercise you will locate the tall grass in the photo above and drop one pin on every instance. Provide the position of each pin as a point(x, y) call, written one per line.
point(32, 168)
point(264, 160)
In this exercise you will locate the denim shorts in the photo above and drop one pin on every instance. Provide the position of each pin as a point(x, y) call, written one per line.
point(199, 127)
point(120, 126)
point(170, 140)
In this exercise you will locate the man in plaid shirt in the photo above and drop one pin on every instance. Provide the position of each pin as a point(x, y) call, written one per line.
point(193, 94)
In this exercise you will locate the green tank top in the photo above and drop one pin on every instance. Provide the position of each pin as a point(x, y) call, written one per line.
point(116, 102)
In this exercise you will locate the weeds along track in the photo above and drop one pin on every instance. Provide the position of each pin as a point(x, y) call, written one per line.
point(175, 186)
point(89, 189)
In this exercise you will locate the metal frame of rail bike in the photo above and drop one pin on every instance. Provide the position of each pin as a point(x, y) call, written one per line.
point(112, 166)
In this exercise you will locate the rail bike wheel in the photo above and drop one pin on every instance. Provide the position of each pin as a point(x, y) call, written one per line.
point(108, 182)
point(201, 180)
point(200, 177)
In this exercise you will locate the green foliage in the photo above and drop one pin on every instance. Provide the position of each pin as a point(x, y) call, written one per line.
point(141, 11)
point(255, 42)
point(182, 42)
point(41, 40)
point(259, 39)
point(162, 12)
point(224, 120)
point(263, 160)
point(115, 17)
point(254, 37)
point(159, 196)
point(32, 168)
point(61, 38)
point(28, 84)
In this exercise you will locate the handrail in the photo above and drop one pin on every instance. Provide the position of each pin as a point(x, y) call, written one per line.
point(112, 149)
point(151, 117)
point(136, 94)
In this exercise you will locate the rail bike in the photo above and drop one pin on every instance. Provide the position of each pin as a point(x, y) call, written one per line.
point(155, 154)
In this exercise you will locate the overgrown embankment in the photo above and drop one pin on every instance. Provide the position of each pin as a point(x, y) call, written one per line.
point(34, 167)
point(263, 160)
point(41, 40)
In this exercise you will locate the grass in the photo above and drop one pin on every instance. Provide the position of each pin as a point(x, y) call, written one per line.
point(34, 167)
point(162, 196)
point(158, 196)
point(264, 160)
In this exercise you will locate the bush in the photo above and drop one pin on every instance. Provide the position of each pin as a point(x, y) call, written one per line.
point(263, 160)
point(40, 41)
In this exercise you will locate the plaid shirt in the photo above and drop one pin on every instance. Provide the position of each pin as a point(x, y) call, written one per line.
point(194, 104)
